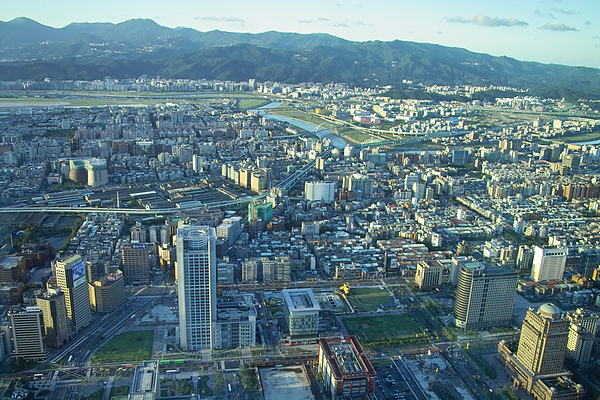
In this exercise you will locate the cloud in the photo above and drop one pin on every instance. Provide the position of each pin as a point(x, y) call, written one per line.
point(359, 23)
point(439, 32)
point(341, 25)
point(228, 20)
point(483, 20)
point(323, 19)
point(588, 22)
point(541, 14)
point(561, 11)
point(557, 27)
point(305, 21)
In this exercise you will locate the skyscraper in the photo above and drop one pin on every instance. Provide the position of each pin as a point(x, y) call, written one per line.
point(70, 277)
point(484, 296)
point(548, 264)
point(196, 285)
point(543, 340)
point(56, 323)
point(136, 263)
point(537, 366)
point(27, 334)
point(582, 334)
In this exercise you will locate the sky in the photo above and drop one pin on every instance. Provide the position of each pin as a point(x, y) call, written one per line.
point(547, 31)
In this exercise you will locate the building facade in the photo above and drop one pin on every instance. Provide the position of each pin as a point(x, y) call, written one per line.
point(548, 264)
point(70, 277)
point(196, 285)
point(27, 337)
point(320, 191)
point(136, 263)
point(57, 326)
point(301, 313)
point(484, 296)
point(346, 370)
point(107, 293)
point(429, 274)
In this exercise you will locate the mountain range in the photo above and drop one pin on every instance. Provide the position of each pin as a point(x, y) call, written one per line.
point(88, 51)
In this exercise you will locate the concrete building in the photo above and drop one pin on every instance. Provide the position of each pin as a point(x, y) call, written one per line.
point(145, 381)
point(582, 334)
point(277, 269)
point(484, 296)
point(310, 228)
point(70, 277)
point(537, 365)
point(27, 337)
point(320, 191)
point(107, 293)
point(346, 370)
point(196, 285)
point(429, 274)
point(233, 329)
point(230, 229)
point(57, 326)
point(548, 264)
point(301, 313)
point(136, 263)
point(250, 270)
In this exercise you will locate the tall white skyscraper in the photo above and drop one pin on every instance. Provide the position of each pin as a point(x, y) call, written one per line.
point(196, 285)
point(548, 264)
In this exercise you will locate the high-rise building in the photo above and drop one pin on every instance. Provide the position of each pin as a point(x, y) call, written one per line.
point(429, 274)
point(588, 261)
point(537, 366)
point(277, 269)
point(320, 191)
point(196, 285)
point(70, 277)
point(543, 341)
point(136, 263)
point(548, 264)
point(107, 293)
point(301, 313)
point(484, 296)
point(57, 326)
point(582, 334)
point(27, 336)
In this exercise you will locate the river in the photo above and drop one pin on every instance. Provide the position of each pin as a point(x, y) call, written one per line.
point(336, 140)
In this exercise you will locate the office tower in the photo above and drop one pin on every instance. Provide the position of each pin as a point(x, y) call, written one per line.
point(524, 257)
point(136, 264)
point(107, 293)
point(27, 336)
point(301, 313)
point(582, 332)
point(589, 260)
point(543, 341)
point(320, 191)
point(230, 229)
point(196, 285)
point(250, 270)
point(548, 264)
point(57, 326)
point(277, 269)
point(70, 276)
point(484, 296)
point(429, 274)
point(139, 233)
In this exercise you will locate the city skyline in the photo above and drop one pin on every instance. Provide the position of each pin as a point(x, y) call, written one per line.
point(542, 31)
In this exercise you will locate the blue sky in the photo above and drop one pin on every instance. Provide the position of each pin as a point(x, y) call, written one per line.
point(547, 31)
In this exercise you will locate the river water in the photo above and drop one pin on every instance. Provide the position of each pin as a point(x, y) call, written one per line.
point(336, 140)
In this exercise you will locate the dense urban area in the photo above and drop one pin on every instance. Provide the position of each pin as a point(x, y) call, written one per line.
point(195, 239)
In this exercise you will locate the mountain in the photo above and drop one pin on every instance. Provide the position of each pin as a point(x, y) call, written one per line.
point(141, 46)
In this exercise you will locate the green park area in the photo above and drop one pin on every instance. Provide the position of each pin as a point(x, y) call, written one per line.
point(275, 307)
point(385, 330)
point(126, 347)
point(369, 299)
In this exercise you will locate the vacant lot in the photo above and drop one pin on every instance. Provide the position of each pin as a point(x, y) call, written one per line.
point(369, 299)
point(126, 347)
point(382, 327)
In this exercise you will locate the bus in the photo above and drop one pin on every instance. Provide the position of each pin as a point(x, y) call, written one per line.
point(172, 371)
point(229, 387)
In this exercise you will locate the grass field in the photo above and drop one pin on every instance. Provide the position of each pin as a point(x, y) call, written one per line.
point(126, 347)
point(382, 327)
point(203, 389)
point(246, 104)
point(120, 391)
point(368, 299)
point(353, 135)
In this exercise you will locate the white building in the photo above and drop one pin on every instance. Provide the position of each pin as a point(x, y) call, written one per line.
point(196, 285)
point(319, 191)
point(548, 264)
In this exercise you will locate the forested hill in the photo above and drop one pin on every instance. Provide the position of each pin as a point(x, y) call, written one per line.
point(129, 49)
